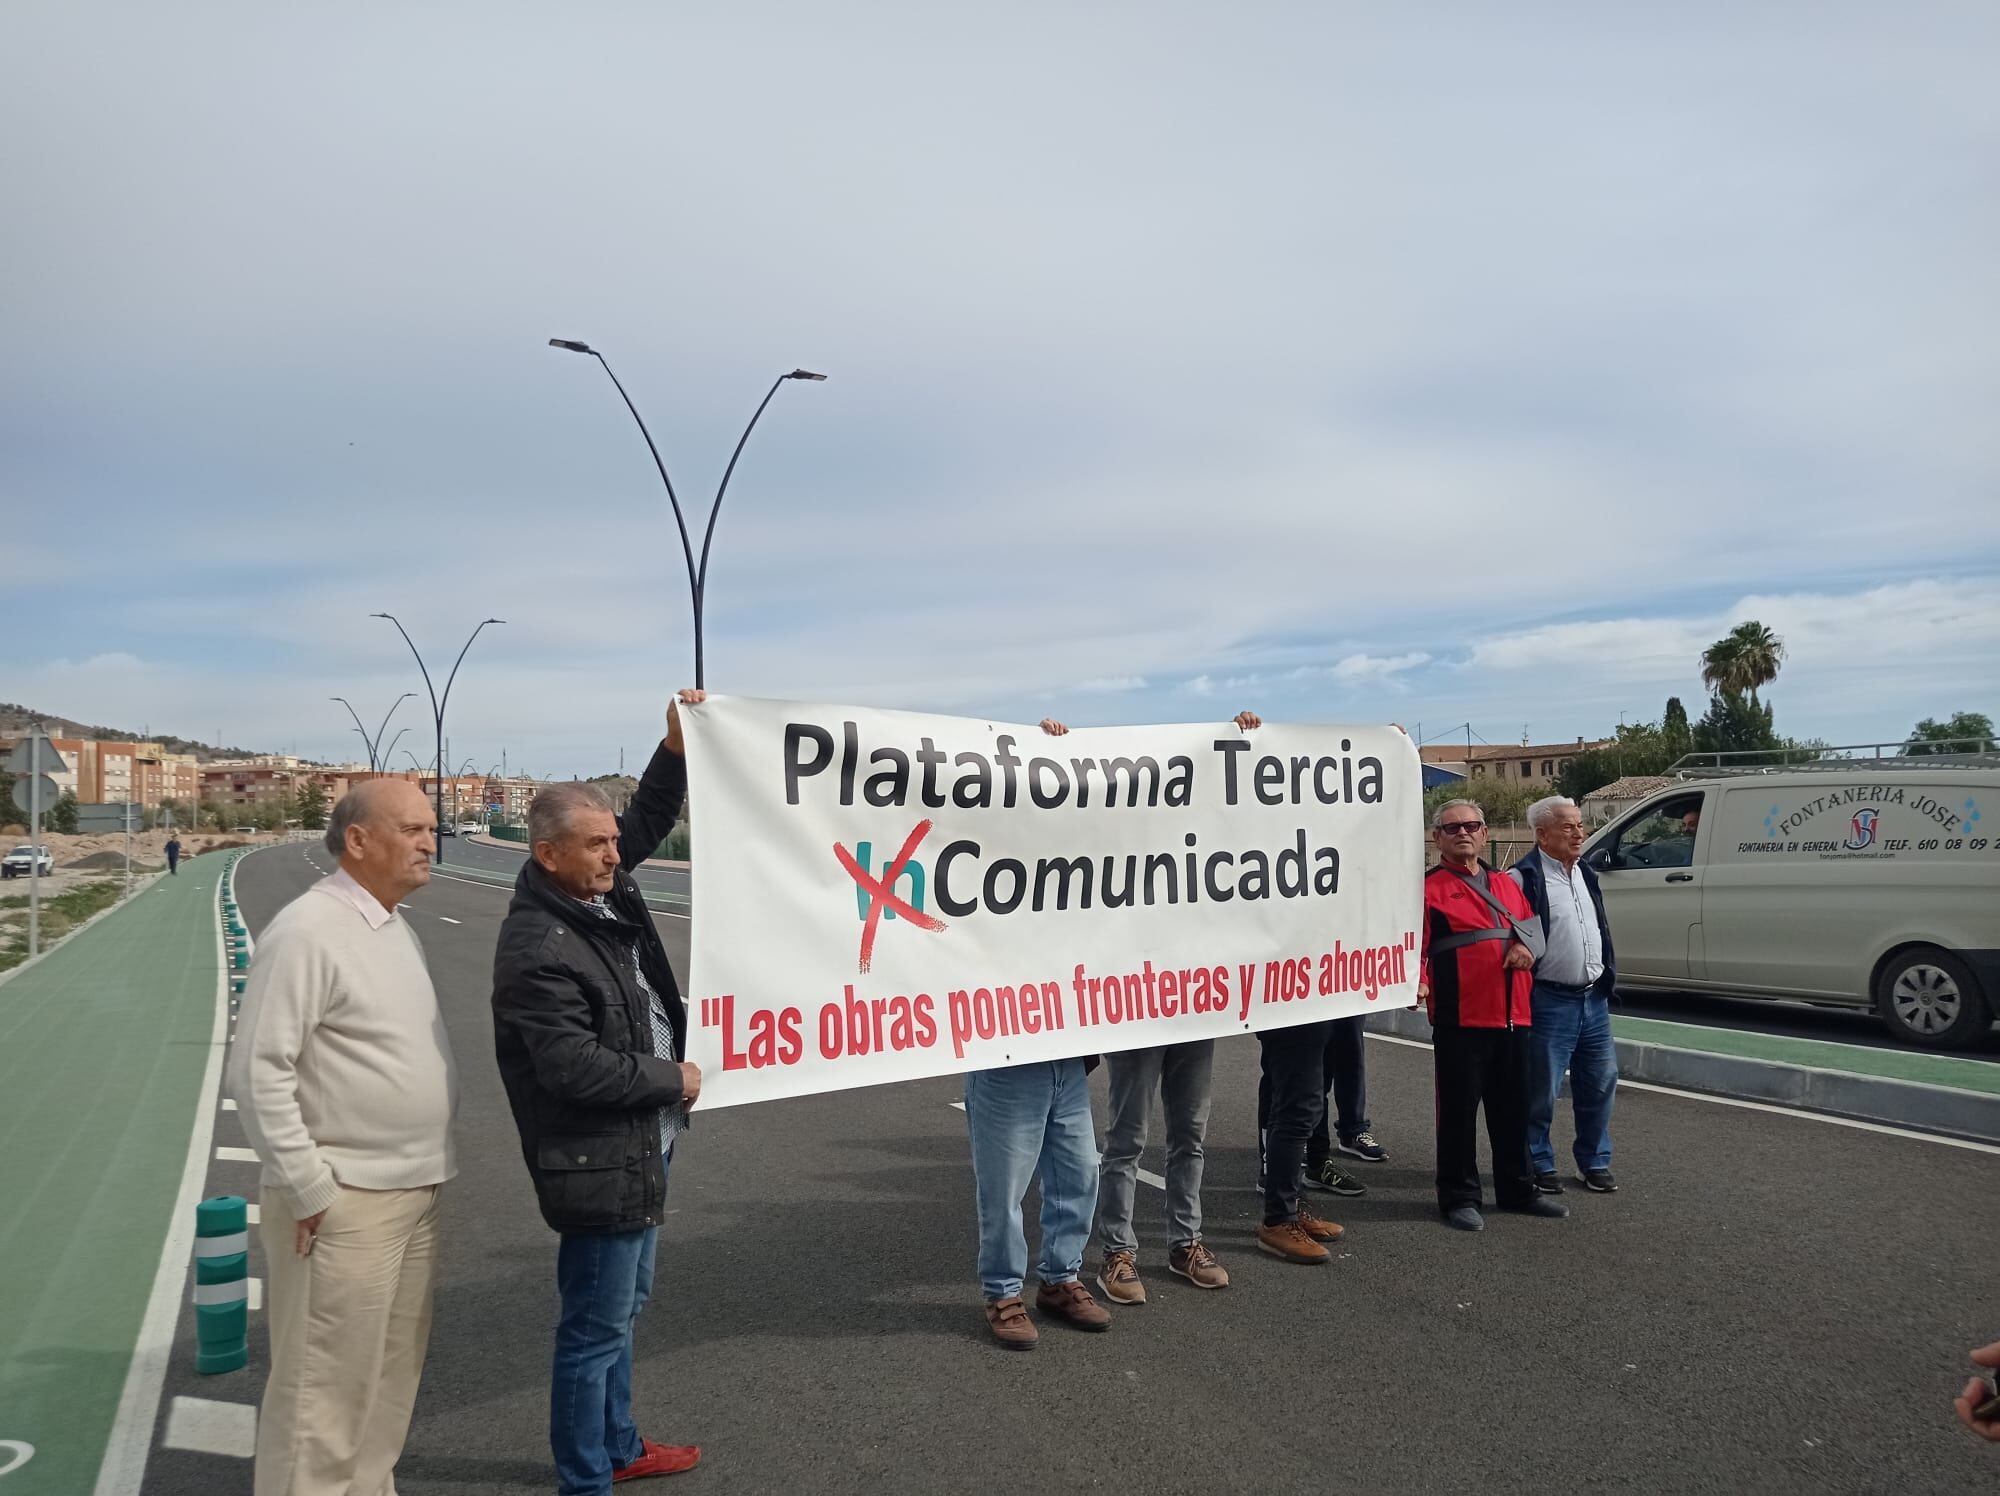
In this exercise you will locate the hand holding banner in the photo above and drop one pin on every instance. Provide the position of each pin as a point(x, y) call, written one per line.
point(881, 896)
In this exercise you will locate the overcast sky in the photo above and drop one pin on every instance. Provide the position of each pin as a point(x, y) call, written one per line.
point(1345, 361)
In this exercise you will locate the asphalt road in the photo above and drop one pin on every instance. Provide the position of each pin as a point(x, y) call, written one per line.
point(669, 884)
point(1772, 1302)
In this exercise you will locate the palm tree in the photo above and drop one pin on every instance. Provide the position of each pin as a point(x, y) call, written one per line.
point(1759, 653)
point(1721, 666)
point(1747, 657)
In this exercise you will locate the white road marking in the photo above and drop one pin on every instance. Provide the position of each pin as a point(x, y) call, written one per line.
point(236, 1156)
point(508, 888)
point(256, 1294)
point(210, 1427)
point(229, 1102)
point(252, 1214)
point(17, 1452)
point(1765, 1106)
point(449, 920)
point(131, 1437)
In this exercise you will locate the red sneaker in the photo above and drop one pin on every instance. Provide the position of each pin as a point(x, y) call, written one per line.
point(659, 1459)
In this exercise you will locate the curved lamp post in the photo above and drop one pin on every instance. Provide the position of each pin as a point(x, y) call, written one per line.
point(697, 572)
point(389, 752)
point(375, 755)
point(438, 704)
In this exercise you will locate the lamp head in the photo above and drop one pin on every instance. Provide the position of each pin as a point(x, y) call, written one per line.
point(805, 374)
point(572, 346)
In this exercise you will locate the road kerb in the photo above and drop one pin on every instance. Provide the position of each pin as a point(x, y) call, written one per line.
point(1916, 1105)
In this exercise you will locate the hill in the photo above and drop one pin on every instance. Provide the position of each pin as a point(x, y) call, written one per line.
point(16, 719)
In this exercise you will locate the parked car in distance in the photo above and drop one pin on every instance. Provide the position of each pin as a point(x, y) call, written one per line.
point(447, 828)
point(471, 828)
point(1844, 886)
point(25, 860)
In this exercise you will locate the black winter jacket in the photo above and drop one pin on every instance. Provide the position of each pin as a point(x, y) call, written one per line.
point(574, 1031)
point(1535, 884)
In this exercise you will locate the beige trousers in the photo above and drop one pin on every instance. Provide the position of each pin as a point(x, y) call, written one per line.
point(349, 1326)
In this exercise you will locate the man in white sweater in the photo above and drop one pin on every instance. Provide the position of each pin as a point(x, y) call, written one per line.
point(344, 1081)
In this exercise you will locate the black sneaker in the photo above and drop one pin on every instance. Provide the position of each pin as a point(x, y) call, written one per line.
point(1548, 1184)
point(1363, 1146)
point(1599, 1181)
point(1328, 1176)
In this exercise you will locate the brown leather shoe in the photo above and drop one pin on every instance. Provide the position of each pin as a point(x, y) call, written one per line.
point(1119, 1278)
point(1291, 1243)
point(1318, 1230)
point(1197, 1264)
point(1009, 1322)
point(1072, 1303)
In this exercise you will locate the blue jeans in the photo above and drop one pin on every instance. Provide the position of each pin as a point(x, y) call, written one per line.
point(1025, 1121)
point(605, 1281)
point(1573, 1033)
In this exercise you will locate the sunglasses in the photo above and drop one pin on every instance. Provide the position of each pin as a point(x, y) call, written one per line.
point(1455, 828)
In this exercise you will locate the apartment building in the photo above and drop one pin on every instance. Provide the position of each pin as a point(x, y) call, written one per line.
point(236, 788)
point(1534, 765)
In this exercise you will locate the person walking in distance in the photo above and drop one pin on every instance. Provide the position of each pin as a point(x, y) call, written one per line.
point(1474, 979)
point(1574, 981)
point(1182, 1076)
point(589, 1029)
point(345, 1083)
point(173, 856)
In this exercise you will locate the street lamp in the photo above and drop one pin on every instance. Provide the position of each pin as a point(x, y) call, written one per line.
point(697, 573)
point(390, 752)
point(438, 704)
point(375, 756)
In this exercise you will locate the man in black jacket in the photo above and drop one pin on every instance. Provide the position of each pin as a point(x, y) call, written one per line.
point(1575, 980)
point(590, 1029)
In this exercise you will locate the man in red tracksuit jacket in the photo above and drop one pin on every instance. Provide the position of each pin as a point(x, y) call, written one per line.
point(1476, 977)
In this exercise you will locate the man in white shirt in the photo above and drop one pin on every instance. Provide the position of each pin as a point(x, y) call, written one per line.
point(1574, 981)
point(344, 1080)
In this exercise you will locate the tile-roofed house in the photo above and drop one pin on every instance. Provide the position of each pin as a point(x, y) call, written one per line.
point(1603, 803)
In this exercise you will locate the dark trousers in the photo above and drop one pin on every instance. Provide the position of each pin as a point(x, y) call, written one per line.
point(174, 863)
point(1343, 1065)
point(1293, 1096)
point(1472, 1065)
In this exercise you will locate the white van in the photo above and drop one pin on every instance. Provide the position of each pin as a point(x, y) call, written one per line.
point(1853, 884)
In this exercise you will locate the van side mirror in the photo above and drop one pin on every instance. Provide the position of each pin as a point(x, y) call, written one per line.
point(1604, 860)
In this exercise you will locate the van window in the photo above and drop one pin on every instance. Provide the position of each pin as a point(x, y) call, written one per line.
point(1661, 836)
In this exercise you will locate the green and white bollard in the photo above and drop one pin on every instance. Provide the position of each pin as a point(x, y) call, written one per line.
point(221, 1284)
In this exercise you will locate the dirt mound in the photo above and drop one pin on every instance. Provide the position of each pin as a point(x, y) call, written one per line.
point(110, 862)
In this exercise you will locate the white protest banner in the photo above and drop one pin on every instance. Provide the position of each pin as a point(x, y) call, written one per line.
point(881, 896)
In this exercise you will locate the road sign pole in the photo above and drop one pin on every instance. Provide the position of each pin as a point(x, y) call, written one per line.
point(34, 841)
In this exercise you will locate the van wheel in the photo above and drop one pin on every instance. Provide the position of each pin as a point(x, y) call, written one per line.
point(1929, 997)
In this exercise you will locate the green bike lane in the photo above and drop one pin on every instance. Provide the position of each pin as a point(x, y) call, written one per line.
point(105, 1045)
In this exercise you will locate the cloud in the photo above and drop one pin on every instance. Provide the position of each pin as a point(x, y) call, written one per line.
point(1357, 667)
point(1111, 684)
point(1202, 431)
